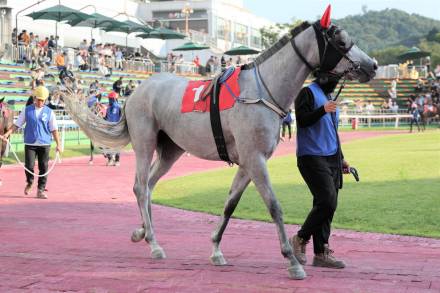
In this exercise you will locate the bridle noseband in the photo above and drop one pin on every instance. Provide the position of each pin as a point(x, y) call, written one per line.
point(330, 53)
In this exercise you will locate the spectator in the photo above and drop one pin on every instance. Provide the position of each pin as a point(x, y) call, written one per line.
point(129, 88)
point(118, 59)
point(60, 61)
point(117, 86)
point(83, 48)
point(394, 107)
point(393, 89)
point(415, 117)
point(223, 63)
point(113, 115)
point(14, 37)
point(51, 48)
point(37, 74)
point(44, 44)
point(287, 123)
point(369, 107)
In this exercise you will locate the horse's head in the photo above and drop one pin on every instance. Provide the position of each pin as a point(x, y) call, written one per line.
point(338, 54)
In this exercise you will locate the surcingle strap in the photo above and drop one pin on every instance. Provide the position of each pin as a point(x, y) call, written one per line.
point(216, 123)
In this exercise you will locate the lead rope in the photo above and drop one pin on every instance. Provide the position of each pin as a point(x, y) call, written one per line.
point(57, 159)
point(340, 89)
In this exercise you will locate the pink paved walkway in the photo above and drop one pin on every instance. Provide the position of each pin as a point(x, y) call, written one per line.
point(79, 241)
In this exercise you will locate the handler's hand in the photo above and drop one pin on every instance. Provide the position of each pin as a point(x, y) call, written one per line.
point(330, 106)
point(345, 167)
point(58, 149)
point(4, 138)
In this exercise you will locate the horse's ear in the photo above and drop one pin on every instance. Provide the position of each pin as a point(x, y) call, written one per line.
point(325, 20)
point(2, 99)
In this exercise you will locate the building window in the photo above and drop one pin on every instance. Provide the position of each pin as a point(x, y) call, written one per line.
point(223, 29)
point(241, 34)
point(255, 38)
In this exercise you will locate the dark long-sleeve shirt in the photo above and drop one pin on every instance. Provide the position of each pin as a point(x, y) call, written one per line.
point(305, 113)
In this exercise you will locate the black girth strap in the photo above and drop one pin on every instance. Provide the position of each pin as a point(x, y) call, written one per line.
point(216, 123)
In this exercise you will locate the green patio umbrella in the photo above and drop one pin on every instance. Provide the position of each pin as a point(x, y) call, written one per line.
point(163, 34)
point(241, 50)
point(59, 13)
point(413, 53)
point(98, 21)
point(190, 46)
point(128, 27)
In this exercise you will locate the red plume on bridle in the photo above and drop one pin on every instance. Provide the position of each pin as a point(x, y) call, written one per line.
point(325, 20)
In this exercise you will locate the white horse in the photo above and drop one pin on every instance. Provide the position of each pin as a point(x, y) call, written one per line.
point(152, 122)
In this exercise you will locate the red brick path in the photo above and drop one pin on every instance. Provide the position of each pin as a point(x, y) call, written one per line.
point(79, 241)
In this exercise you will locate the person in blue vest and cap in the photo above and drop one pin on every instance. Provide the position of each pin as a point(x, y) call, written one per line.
point(321, 164)
point(113, 114)
point(40, 125)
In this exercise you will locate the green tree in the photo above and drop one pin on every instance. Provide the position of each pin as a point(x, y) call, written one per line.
point(271, 34)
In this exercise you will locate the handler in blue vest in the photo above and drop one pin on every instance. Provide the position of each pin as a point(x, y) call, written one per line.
point(41, 125)
point(321, 164)
point(113, 115)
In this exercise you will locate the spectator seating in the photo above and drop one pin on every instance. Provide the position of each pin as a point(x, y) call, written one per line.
point(15, 81)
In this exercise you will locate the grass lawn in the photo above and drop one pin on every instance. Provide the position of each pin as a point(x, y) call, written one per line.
point(399, 191)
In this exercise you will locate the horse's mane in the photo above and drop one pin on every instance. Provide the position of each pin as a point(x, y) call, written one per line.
point(277, 46)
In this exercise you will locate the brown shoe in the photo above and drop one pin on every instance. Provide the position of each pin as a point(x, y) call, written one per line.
point(41, 194)
point(299, 248)
point(327, 260)
point(27, 188)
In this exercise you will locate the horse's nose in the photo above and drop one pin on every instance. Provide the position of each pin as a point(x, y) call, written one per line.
point(375, 66)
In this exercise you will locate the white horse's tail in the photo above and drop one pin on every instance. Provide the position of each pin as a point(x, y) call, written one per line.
point(108, 135)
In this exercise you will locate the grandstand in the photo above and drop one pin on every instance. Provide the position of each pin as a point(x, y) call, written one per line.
point(15, 81)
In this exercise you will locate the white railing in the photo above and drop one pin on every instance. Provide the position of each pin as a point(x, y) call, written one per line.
point(185, 68)
point(369, 120)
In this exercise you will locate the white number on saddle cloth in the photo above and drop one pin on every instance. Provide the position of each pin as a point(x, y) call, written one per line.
point(198, 91)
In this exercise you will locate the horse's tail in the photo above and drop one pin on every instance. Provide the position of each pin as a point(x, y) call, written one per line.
point(109, 135)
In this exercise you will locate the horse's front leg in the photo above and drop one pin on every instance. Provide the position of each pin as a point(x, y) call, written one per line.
point(257, 169)
point(241, 181)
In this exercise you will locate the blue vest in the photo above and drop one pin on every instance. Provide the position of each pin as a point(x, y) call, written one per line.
point(113, 113)
point(319, 139)
point(37, 128)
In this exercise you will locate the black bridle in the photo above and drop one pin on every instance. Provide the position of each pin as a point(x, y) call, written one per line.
point(330, 53)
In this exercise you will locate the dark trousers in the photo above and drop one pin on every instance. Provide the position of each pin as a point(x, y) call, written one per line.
point(411, 125)
point(289, 128)
point(321, 175)
point(42, 153)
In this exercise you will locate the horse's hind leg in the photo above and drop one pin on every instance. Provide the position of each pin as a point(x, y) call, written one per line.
point(167, 154)
point(241, 181)
point(144, 147)
point(257, 170)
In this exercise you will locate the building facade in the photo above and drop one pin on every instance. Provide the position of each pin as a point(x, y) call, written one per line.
point(223, 24)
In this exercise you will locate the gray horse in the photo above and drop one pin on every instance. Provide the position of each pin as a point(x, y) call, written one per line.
point(152, 122)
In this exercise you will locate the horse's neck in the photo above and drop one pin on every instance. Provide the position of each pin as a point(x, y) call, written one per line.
point(284, 73)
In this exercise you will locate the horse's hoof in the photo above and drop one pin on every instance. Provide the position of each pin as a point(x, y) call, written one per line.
point(158, 253)
point(297, 272)
point(138, 235)
point(218, 259)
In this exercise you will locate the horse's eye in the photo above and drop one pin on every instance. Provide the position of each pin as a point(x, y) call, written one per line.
point(342, 44)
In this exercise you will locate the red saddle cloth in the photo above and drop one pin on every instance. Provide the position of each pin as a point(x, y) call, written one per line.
point(197, 89)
